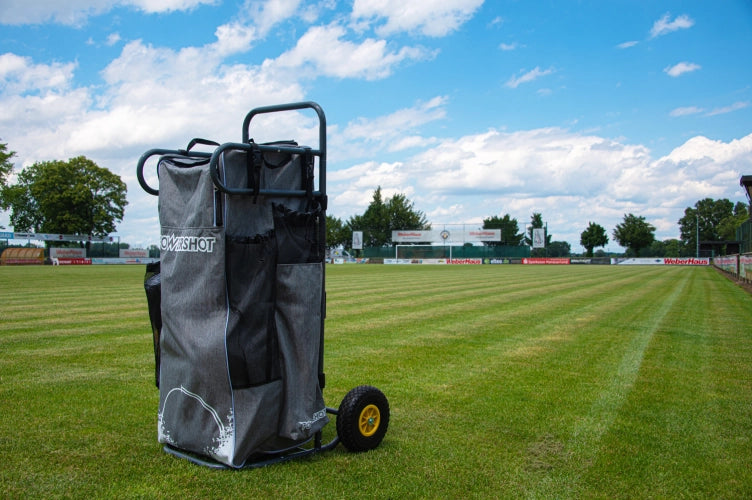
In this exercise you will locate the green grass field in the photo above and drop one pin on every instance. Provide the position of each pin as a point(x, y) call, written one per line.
point(503, 381)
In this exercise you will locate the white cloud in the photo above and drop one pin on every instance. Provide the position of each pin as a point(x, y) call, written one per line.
point(665, 25)
point(508, 46)
point(572, 178)
point(76, 12)
point(113, 38)
point(370, 59)
point(529, 76)
point(396, 131)
point(434, 18)
point(728, 109)
point(686, 111)
point(626, 45)
point(681, 68)
point(266, 14)
point(19, 75)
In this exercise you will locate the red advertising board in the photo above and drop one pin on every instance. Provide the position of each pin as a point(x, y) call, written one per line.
point(73, 262)
point(546, 260)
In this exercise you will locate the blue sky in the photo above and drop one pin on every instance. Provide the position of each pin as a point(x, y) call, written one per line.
point(580, 110)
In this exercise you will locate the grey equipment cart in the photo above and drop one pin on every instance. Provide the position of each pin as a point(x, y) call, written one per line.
point(237, 304)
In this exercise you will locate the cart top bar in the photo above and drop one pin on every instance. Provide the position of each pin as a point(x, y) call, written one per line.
point(245, 146)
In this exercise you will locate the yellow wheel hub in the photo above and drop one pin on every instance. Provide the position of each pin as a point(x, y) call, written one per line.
point(369, 420)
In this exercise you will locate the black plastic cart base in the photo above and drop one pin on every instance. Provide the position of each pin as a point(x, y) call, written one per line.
point(295, 453)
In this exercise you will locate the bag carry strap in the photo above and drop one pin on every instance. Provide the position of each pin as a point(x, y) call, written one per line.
point(308, 163)
point(196, 140)
point(254, 160)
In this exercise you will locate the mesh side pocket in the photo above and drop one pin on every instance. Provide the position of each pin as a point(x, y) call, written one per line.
point(252, 350)
point(298, 321)
point(297, 235)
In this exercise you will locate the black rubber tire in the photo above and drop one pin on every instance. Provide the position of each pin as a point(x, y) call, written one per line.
point(363, 418)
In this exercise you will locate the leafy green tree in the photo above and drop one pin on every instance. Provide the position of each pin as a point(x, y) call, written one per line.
point(382, 217)
point(337, 234)
point(715, 220)
point(666, 248)
point(634, 233)
point(592, 237)
point(510, 230)
point(403, 215)
point(74, 197)
point(728, 225)
point(6, 167)
point(559, 249)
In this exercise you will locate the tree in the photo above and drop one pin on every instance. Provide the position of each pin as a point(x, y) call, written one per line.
point(634, 233)
point(73, 197)
point(337, 234)
point(666, 248)
point(510, 230)
point(714, 220)
point(558, 249)
point(381, 218)
point(594, 236)
point(729, 224)
point(6, 167)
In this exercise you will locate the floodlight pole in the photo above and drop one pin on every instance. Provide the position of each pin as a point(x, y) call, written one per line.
point(697, 235)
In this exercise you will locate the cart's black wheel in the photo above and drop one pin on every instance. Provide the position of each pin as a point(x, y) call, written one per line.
point(363, 418)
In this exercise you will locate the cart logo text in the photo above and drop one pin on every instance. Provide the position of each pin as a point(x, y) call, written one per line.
point(172, 243)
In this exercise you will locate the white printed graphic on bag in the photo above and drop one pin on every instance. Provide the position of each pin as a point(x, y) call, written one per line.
point(224, 438)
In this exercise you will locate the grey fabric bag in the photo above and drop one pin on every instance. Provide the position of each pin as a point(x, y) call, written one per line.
point(242, 305)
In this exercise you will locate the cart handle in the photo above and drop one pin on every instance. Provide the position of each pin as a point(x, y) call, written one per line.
point(249, 148)
point(276, 148)
point(162, 152)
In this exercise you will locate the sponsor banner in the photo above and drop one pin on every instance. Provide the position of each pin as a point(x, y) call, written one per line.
point(686, 261)
point(446, 236)
point(134, 253)
point(546, 260)
point(115, 260)
point(357, 240)
point(422, 261)
point(497, 261)
point(663, 261)
point(729, 263)
point(68, 253)
point(539, 237)
point(59, 237)
point(482, 235)
point(745, 266)
point(71, 262)
point(637, 261)
point(466, 261)
point(412, 237)
point(590, 260)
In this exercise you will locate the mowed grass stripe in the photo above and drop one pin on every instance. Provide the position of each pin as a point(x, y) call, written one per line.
point(685, 403)
point(444, 377)
point(504, 381)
